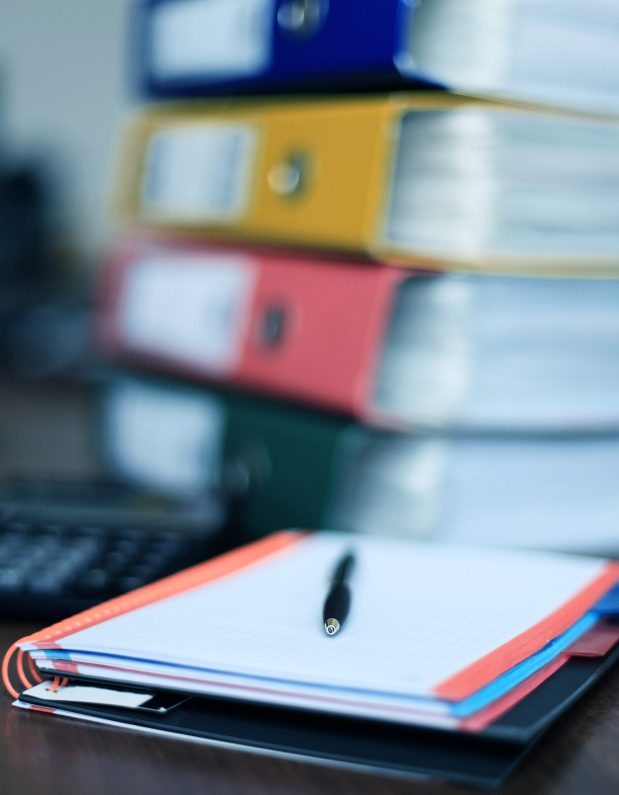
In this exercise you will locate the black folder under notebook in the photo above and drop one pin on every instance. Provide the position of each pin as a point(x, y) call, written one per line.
point(484, 759)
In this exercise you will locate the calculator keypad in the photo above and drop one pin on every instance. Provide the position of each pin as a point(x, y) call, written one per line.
point(71, 567)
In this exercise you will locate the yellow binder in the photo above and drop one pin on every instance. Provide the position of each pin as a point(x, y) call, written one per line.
point(407, 178)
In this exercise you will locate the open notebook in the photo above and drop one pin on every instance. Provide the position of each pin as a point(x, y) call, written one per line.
point(440, 638)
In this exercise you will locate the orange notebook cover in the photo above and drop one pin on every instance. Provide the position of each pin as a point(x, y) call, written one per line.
point(560, 591)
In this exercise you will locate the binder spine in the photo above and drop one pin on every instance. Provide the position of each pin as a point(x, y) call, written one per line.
point(280, 44)
point(294, 338)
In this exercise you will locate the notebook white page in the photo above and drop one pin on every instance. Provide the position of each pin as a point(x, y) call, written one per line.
point(420, 613)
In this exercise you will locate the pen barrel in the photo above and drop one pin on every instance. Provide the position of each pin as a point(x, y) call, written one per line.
point(337, 603)
point(344, 568)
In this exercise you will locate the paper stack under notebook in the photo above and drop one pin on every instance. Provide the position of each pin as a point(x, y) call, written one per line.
point(274, 342)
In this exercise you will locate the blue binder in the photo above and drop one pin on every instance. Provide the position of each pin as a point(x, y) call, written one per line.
point(188, 47)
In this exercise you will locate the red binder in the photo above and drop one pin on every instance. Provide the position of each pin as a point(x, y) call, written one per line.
point(300, 327)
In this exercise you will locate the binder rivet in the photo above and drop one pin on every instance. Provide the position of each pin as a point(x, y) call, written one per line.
point(289, 177)
point(273, 326)
point(301, 18)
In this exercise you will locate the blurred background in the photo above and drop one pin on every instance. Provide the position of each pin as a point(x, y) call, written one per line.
point(63, 93)
point(504, 424)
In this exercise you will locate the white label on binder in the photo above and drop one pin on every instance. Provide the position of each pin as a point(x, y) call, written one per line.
point(164, 438)
point(199, 172)
point(192, 309)
point(211, 38)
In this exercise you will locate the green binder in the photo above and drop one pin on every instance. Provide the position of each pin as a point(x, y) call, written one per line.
point(280, 465)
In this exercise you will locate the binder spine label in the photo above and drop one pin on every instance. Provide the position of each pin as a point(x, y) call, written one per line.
point(199, 172)
point(218, 38)
point(191, 309)
point(164, 439)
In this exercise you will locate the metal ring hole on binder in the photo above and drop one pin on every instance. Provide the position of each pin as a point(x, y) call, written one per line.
point(302, 18)
point(289, 178)
point(249, 469)
point(273, 326)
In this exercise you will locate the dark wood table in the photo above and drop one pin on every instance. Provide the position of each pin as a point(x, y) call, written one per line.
point(59, 756)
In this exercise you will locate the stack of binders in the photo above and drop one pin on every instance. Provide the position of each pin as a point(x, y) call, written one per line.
point(367, 277)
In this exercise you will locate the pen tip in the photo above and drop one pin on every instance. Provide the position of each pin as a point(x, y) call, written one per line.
point(332, 626)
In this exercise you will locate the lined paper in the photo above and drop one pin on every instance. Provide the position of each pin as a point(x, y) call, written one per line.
point(420, 614)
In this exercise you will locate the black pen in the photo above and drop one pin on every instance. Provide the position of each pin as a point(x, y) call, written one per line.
point(337, 603)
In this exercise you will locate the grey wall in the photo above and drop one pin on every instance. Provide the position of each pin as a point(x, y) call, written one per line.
point(63, 93)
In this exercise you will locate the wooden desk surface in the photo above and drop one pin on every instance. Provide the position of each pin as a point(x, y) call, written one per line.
point(58, 756)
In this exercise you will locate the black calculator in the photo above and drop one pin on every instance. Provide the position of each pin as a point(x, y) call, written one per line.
point(65, 546)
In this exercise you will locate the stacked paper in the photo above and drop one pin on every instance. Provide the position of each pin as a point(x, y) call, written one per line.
point(438, 635)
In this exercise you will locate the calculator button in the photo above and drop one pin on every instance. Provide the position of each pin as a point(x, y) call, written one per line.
point(12, 578)
point(93, 580)
point(114, 561)
point(127, 547)
point(130, 583)
point(155, 560)
point(51, 585)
